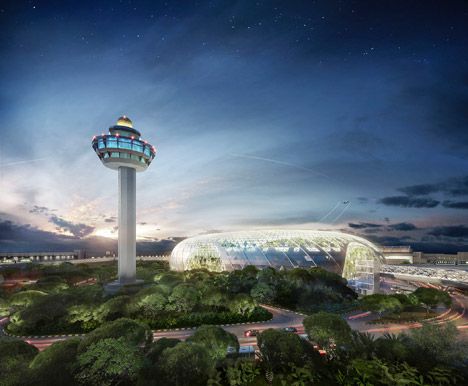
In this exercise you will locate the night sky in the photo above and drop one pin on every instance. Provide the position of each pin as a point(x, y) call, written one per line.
point(349, 115)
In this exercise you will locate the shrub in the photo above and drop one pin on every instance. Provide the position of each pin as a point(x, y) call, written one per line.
point(25, 298)
point(134, 332)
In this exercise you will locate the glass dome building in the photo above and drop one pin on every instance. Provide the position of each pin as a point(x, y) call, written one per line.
point(352, 257)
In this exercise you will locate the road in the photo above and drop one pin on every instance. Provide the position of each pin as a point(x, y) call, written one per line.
point(457, 314)
point(283, 318)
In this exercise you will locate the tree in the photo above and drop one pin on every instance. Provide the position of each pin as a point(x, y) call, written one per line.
point(279, 350)
point(152, 304)
point(391, 348)
point(84, 316)
point(361, 345)
point(15, 356)
point(183, 298)
point(213, 298)
point(242, 304)
point(54, 365)
point(150, 370)
point(377, 372)
point(26, 298)
point(262, 293)
point(52, 283)
point(216, 340)
point(170, 279)
point(114, 308)
point(46, 315)
point(243, 372)
point(325, 328)
point(269, 276)
point(159, 346)
point(109, 362)
point(380, 303)
point(4, 308)
point(242, 280)
point(132, 331)
point(300, 376)
point(440, 344)
point(431, 297)
point(185, 364)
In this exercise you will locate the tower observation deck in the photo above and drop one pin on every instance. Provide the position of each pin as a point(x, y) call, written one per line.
point(122, 149)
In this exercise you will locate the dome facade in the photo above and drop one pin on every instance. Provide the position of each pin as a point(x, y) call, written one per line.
point(352, 257)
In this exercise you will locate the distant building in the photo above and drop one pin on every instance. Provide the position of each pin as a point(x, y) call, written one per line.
point(398, 254)
point(442, 258)
point(406, 255)
point(24, 257)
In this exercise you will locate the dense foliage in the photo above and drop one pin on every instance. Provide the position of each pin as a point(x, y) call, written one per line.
point(77, 303)
point(284, 359)
point(70, 299)
point(118, 348)
point(405, 307)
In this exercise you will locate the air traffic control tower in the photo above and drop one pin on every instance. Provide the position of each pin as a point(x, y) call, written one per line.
point(124, 151)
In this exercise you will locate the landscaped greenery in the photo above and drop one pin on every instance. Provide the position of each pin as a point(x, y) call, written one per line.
point(70, 298)
point(118, 348)
point(77, 302)
point(401, 308)
point(121, 353)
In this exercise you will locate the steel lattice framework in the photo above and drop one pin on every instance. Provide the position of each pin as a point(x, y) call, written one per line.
point(355, 258)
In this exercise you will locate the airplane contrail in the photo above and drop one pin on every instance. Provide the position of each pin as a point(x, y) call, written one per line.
point(342, 212)
point(24, 162)
point(280, 163)
point(330, 212)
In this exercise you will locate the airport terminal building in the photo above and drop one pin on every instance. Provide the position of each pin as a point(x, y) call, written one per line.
point(352, 257)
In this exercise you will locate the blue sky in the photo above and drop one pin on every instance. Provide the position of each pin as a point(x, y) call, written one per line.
point(264, 114)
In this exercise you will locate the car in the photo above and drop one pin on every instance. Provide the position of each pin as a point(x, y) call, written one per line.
point(289, 329)
point(252, 332)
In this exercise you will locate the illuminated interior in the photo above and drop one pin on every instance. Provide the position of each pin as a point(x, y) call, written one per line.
point(352, 257)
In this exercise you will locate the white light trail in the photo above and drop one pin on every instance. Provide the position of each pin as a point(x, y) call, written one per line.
point(278, 162)
point(342, 212)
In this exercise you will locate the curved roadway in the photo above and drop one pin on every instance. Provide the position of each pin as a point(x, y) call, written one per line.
point(285, 318)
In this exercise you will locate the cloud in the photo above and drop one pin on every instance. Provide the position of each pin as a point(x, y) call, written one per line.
point(364, 225)
point(403, 226)
point(409, 202)
point(419, 190)
point(77, 230)
point(453, 231)
point(389, 240)
point(40, 209)
point(456, 186)
point(26, 238)
point(455, 205)
point(20, 237)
